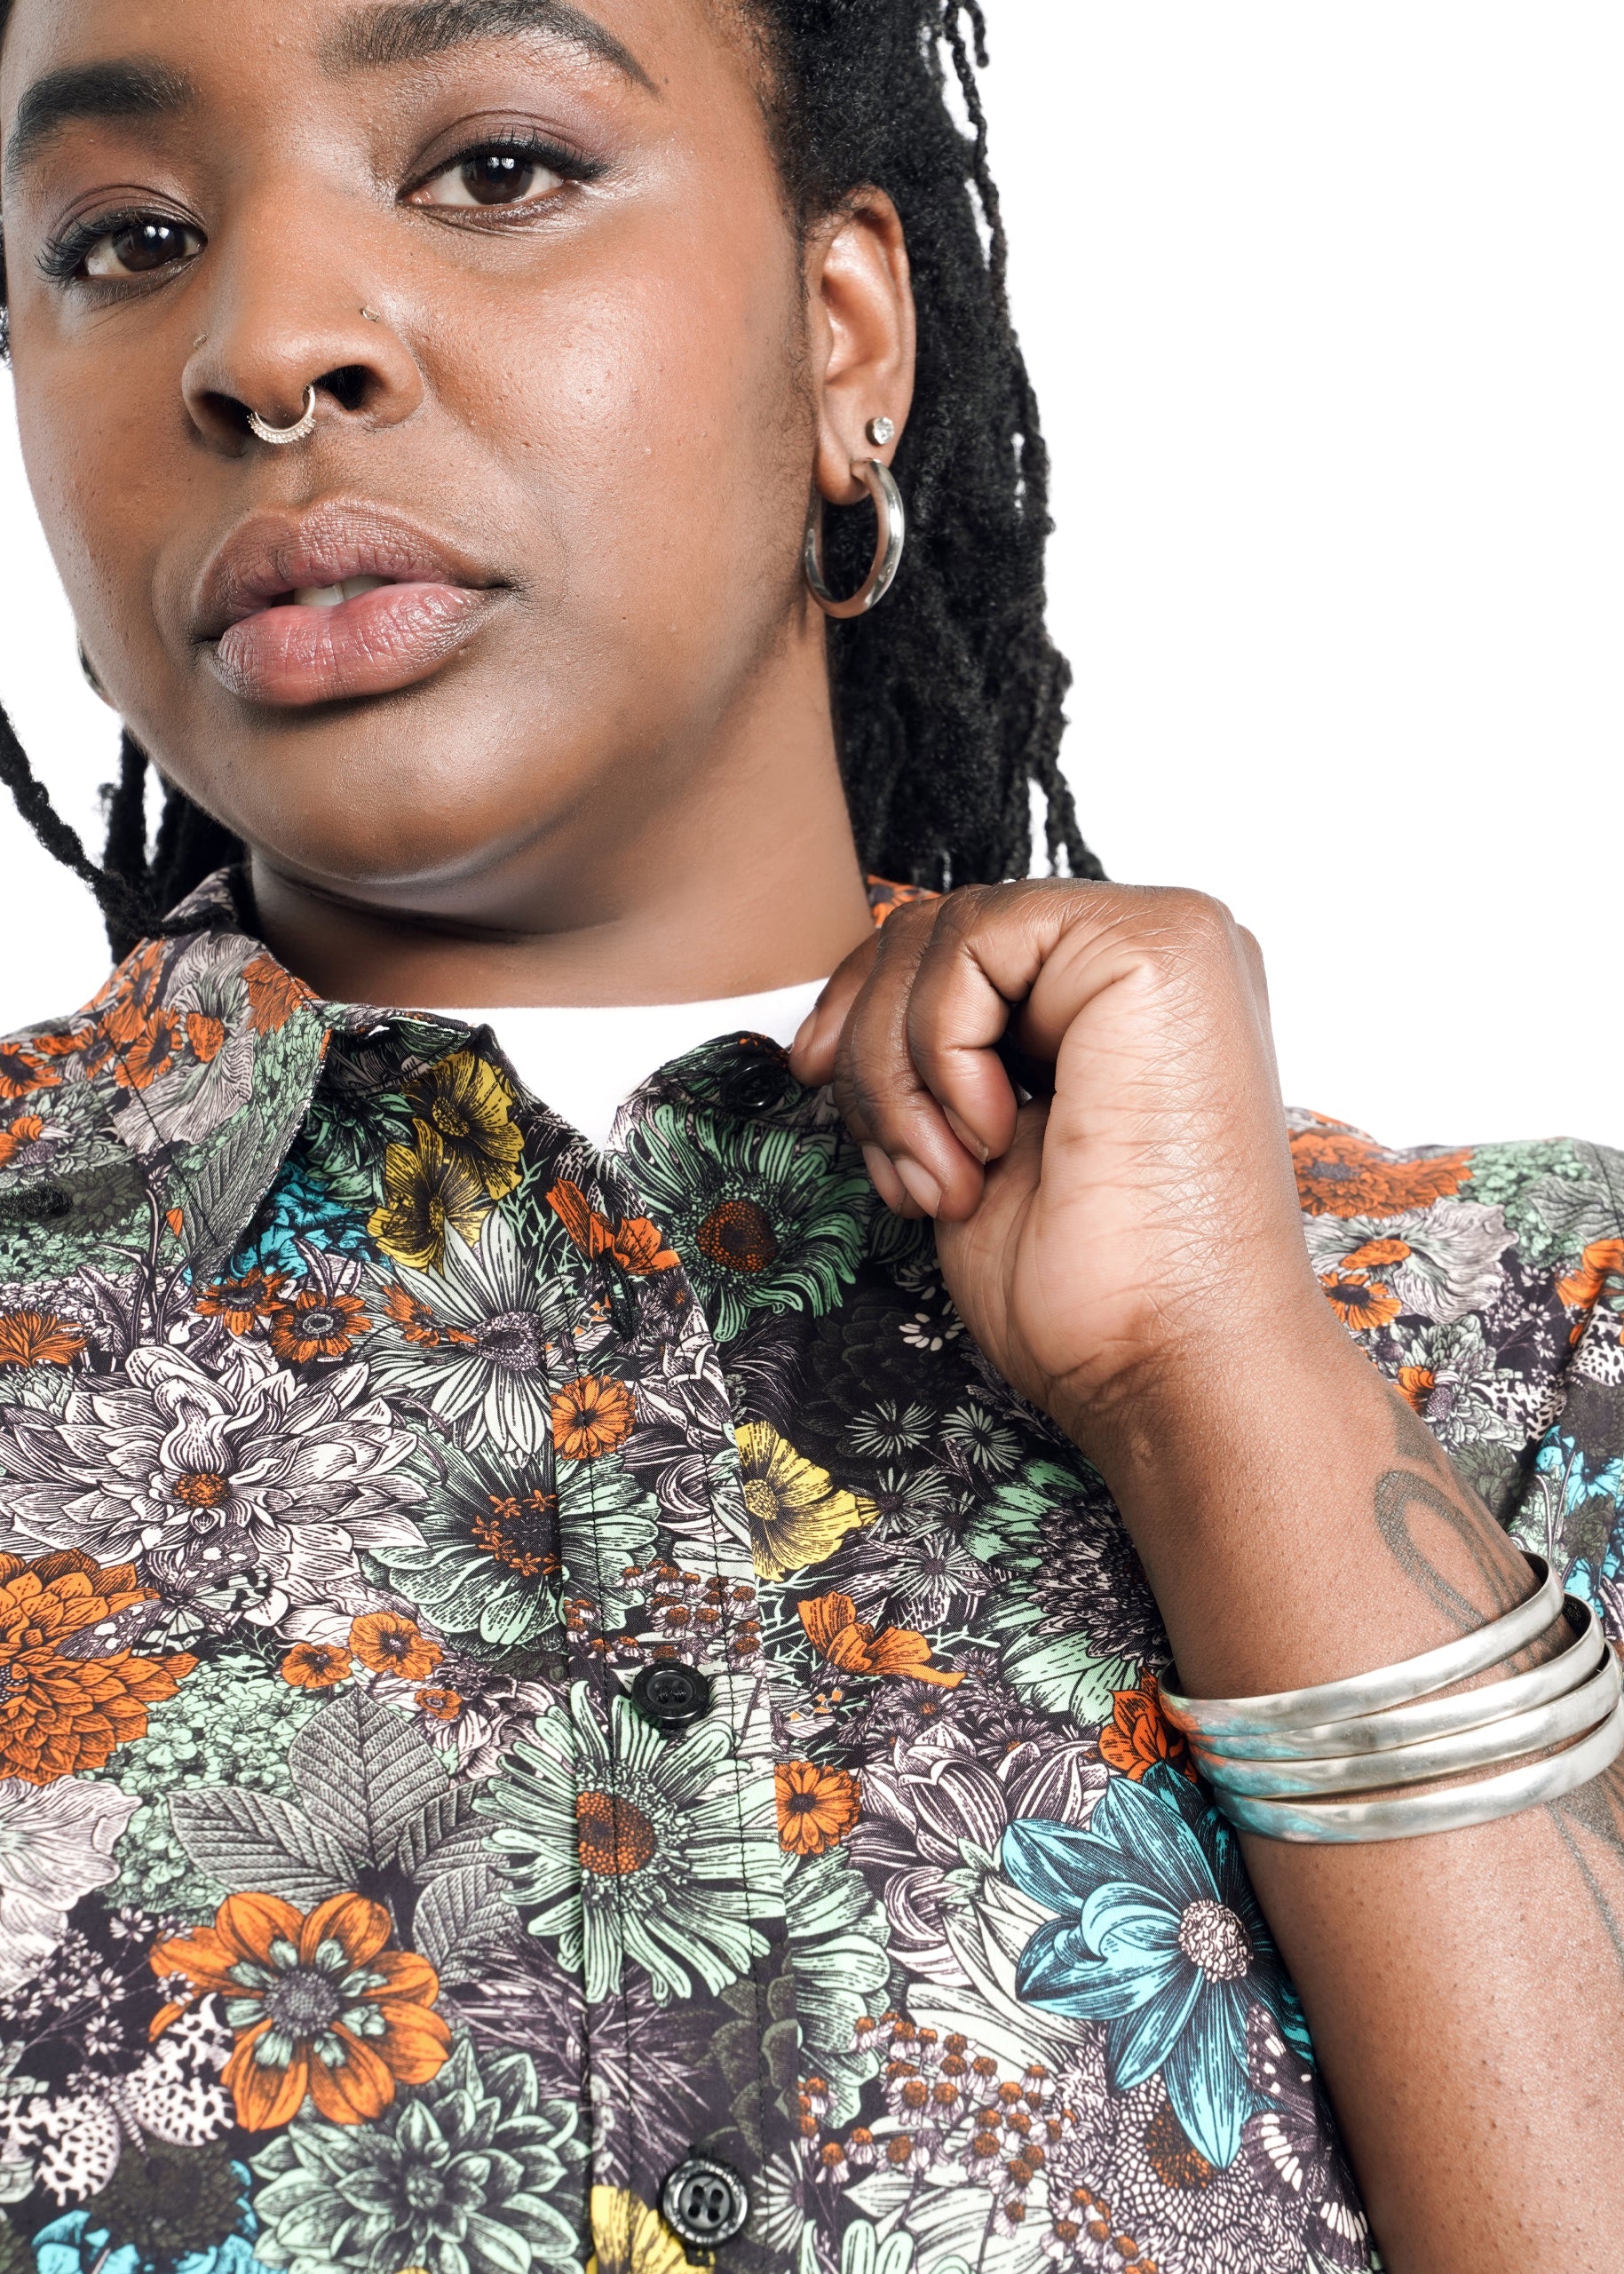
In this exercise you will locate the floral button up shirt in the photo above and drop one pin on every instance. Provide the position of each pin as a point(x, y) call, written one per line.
point(364, 1434)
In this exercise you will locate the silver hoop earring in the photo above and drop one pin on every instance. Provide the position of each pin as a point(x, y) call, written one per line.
point(296, 433)
point(890, 537)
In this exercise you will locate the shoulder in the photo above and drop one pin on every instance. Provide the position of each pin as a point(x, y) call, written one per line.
point(1487, 1282)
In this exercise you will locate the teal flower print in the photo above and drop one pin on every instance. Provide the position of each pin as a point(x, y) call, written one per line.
point(1573, 1514)
point(763, 1219)
point(301, 1209)
point(1158, 1934)
point(621, 1845)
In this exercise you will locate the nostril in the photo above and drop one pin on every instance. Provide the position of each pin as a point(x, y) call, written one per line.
point(347, 385)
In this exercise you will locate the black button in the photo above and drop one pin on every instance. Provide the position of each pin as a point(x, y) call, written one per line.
point(704, 2203)
point(756, 1085)
point(672, 1695)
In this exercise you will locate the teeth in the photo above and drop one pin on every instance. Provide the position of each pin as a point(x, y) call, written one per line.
point(333, 596)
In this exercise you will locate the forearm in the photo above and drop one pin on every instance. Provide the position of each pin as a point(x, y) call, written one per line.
point(1466, 1991)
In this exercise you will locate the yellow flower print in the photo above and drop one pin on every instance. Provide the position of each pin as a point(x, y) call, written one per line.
point(797, 1515)
point(428, 1192)
point(629, 2239)
point(469, 1105)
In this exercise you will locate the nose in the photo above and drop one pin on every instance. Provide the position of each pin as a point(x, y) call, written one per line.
point(278, 325)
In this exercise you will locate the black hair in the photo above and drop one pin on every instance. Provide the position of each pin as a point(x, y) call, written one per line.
point(949, 697)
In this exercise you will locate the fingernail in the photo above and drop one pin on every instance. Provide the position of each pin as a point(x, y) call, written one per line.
point(887, 1184)
point(966, 1137)
point(921, 1186)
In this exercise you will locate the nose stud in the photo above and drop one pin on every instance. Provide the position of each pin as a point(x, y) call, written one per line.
point(296, 433)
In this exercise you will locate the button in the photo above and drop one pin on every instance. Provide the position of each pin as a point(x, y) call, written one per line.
point(704, 2203)
point(672, 1695)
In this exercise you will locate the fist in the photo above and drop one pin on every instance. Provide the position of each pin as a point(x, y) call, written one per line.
point(1121, 1215)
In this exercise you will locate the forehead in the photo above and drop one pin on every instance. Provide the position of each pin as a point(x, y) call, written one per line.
point(131, 58)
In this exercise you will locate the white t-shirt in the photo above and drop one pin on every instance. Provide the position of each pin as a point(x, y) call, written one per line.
point(585, 1062)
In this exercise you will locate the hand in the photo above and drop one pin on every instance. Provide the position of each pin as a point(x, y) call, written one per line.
point(1120, 1240)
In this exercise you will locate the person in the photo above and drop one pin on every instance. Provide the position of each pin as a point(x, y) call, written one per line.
point(679, 1530)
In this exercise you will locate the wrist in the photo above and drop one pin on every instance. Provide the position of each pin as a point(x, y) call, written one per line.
point(1156, 1429)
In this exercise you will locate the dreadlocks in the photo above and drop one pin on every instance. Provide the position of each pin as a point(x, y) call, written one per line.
point(948, 699)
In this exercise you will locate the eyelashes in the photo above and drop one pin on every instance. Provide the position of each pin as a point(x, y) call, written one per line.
point(498, 178)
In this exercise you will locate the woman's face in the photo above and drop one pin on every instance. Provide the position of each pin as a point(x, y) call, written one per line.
point(572, 404)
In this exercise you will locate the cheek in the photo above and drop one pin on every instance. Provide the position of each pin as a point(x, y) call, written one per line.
point(654, 415)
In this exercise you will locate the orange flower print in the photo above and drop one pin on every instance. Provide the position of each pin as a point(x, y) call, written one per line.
point(832, 1625)
point(1138, 1733)
point(19, 1137)
point(1417, 1383)
point(138, 1044)
point(314, 1324)
point(206, 1036)
point(1340, 1173)
point(389, 1642)
point(37, 1338)
point(242, 1303)
point(1603, 1260)
point(418, 1322)
point(23, 1071)
point(62, 1714)
point(1361, 1306)
point(636, 1242)
point(316, 1665)
point(273, 994)
point(816, 1807)
point(318, 2005)
point(440, 1705)
point(591, 1416)
point(884, 899)
point(1375, 1255)
point(521, 1534)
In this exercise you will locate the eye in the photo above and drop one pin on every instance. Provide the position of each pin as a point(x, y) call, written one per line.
point(139, 247)
point(498, 175)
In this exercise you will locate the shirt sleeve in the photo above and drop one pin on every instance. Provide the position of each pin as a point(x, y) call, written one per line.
point(1487, 1283)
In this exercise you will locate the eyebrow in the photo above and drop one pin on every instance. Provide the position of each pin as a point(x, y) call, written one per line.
point(410, 31)
point(129, 89)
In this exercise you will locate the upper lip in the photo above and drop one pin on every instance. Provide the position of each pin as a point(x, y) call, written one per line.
point(272, 554)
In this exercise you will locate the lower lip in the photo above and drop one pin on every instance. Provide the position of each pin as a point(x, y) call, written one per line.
point(374, 644)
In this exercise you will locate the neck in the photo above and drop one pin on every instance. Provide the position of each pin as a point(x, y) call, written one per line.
point(744, 876)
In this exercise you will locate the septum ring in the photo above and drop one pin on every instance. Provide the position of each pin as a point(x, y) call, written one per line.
point(296, 433)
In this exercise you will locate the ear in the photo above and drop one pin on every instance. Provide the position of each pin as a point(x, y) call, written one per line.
point(861, 326)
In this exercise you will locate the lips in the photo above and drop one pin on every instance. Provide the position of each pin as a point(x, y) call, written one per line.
point(338, 603)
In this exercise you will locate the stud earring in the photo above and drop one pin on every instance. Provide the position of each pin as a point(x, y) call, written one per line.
point(880, 429)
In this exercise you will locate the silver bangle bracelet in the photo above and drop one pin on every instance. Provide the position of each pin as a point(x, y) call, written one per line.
point(1457, 1806)
point(1509, 1738)
point(1431, 1717)
point(1388, 1685)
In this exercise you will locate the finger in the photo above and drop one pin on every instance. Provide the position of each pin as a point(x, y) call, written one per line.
point(958, 1022)
point(812, 1053)
point(879, 1090)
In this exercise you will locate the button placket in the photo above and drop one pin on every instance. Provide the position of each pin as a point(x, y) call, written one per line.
point(717, 1562)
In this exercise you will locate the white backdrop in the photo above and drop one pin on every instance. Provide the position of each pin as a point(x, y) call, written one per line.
point(1324, 308)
